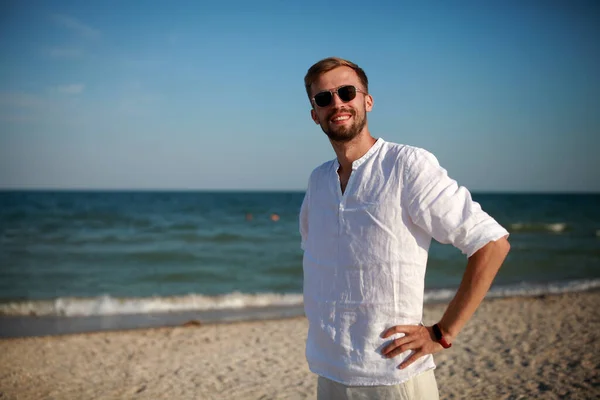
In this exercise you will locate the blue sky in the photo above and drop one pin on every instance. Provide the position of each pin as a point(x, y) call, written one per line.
point(199, 95)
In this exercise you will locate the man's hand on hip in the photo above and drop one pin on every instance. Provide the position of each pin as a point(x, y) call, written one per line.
point(418, 338)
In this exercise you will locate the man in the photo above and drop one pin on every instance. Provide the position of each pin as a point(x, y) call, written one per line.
point(367, 221)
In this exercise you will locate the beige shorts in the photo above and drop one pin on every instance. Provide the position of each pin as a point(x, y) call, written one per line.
point(421, 387)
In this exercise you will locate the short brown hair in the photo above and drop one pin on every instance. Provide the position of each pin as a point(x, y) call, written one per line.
point(326, 65)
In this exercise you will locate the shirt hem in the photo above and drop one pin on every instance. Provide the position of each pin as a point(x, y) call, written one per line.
point(370, 381)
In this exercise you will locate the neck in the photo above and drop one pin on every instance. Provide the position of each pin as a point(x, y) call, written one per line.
point(348, 152)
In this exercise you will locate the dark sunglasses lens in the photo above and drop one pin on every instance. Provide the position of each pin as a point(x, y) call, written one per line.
point(347, 93)
point(323, 99)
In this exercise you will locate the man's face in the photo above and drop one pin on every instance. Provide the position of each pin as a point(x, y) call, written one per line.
point(341, 121)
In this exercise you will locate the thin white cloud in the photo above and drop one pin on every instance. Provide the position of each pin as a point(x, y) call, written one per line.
point(20, 107)
point(20, 100)
point(64, 52)
point(75, 25)
point(16, 118)
point(51, 107)
point(137, 103)
point(74, 88)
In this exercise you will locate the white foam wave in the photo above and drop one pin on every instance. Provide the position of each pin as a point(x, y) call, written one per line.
point(527, 289)
point(522, 290)
point(557, 227)
point(107, 305)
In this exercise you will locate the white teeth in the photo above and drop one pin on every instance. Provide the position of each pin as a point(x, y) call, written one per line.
point(341, 118)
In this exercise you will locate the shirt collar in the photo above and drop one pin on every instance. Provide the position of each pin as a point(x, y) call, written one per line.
point(357, 163)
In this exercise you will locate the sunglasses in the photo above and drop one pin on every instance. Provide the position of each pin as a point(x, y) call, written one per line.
point(346, 93)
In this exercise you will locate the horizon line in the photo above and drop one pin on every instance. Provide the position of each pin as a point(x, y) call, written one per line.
point(257, 190)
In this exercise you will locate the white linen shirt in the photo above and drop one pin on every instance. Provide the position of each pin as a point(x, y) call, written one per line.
point(365, 254)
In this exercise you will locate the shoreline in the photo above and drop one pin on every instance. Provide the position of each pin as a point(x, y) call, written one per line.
point(21, 325)
point(544, 346)
point(44, 326)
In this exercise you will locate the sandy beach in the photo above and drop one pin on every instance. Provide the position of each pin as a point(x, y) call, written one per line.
point(544, 347)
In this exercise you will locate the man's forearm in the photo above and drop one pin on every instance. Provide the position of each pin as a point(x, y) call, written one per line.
point(481, 270)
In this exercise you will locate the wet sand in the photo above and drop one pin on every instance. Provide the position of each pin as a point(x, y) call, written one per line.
point(544, 347)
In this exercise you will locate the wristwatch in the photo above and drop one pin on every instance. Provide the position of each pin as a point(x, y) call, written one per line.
point(440, 338)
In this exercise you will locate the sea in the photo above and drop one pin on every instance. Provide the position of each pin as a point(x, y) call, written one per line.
point(81, 261)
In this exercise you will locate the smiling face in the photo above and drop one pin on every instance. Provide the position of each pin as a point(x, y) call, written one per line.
point(341, 121)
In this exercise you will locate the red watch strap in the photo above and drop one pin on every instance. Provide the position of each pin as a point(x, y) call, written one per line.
point(440, 337)
point(444, 343)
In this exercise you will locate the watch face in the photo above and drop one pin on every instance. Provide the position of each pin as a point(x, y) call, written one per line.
point(437, 332)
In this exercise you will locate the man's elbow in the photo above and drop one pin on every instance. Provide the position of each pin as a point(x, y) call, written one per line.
point(501, 248)
point(503, 245)
point(496, 249)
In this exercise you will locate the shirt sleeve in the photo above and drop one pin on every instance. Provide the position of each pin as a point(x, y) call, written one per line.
point(304, 218)
point(445, 210)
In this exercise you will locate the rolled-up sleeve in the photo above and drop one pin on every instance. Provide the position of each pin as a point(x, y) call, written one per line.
point(304, 219)
point(445, 210)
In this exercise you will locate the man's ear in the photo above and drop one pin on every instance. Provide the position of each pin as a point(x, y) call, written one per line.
point(314, 116)
point(368, 102)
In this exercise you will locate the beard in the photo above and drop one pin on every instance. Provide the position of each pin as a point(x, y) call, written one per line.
point(344, 134)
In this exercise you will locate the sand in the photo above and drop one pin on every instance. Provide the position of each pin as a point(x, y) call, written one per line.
point(517, 348)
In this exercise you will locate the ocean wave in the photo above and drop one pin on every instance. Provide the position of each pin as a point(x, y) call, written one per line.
point(557, 227)
point(521, 290)
point(107, 305)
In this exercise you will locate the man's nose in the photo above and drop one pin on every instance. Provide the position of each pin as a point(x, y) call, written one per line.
point(336, 100)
